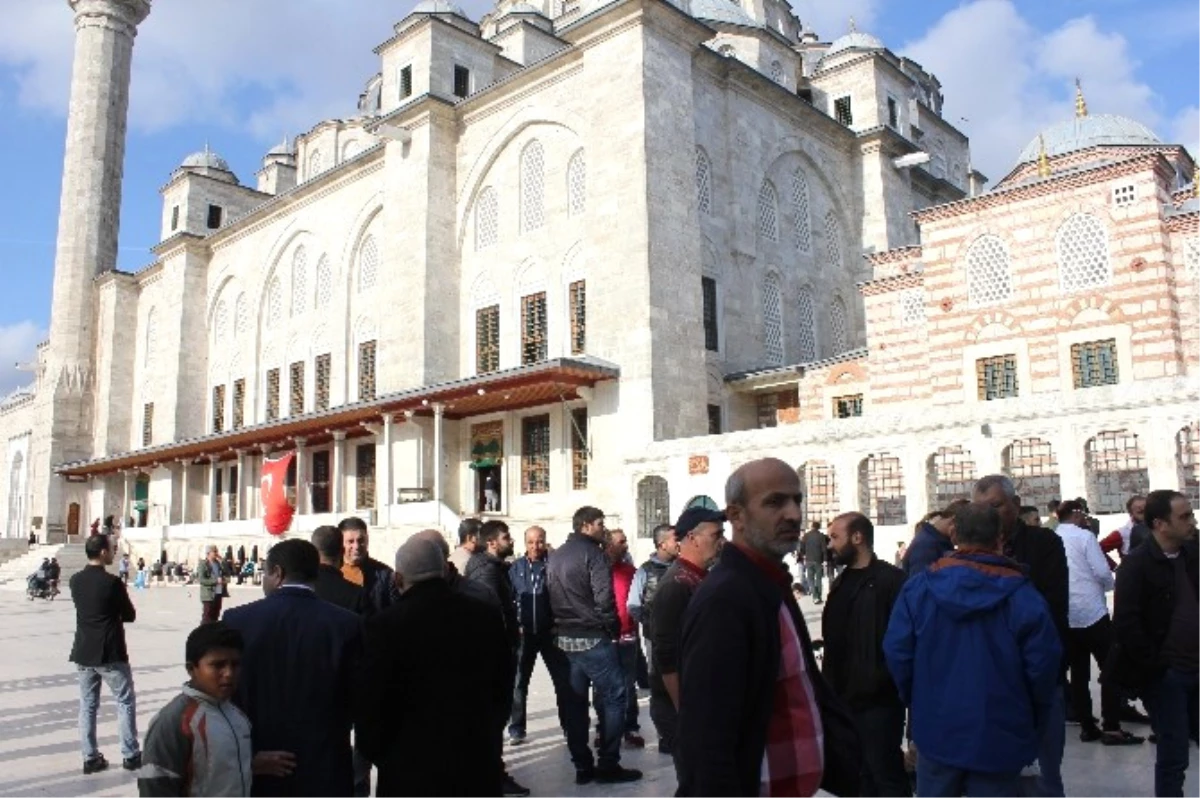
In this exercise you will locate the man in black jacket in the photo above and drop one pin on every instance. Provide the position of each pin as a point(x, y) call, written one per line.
point(1041, 552)
point(586, 629)
point(1155, 619)
point(755, 715)
point(853, 625)
point(102, 608)
point(331, 586)
point(358, 568)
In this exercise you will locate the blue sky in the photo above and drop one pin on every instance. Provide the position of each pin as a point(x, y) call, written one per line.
point(278, 67)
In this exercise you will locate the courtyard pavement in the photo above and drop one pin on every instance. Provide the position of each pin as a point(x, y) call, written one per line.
point(39, 748)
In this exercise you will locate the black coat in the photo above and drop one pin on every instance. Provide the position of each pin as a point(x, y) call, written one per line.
point(729, 667)
point(492, 572)
point(1142, 608)
point(435, 682)
point(331, 586)
point(579, 577)
point(298, 669)
point(1041, 551)
point(853, 624)
point(102, 608)
point(379, 584)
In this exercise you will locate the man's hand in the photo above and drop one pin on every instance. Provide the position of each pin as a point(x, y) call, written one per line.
point(273, 763)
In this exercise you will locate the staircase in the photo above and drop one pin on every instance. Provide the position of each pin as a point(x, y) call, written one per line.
point(14, 572)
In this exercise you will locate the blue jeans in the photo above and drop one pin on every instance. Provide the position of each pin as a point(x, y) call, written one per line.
point(627, 655)
point(1171, 703)
point(935, 779)
point(1050, 753)
point(600, 668)
point(119, 679)
point(813, 575)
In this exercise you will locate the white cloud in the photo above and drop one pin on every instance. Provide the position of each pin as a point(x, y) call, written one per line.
point(831, 20)
point(1185, 129)
point(17, 344)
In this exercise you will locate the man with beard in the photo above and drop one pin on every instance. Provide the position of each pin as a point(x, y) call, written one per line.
point(853, 625)
point(375, 578)
point(755, 715)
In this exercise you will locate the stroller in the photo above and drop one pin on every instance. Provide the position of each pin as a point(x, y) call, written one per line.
point(38, 586)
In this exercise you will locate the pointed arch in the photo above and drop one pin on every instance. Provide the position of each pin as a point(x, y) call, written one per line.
point(839, 326)
point(768, 211)
point(299, 280)
point(576, 184)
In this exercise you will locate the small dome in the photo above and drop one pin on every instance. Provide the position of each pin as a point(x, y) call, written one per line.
point(283, 148)
point(523, 8)
point(205, 159)
point(854, 40)
point(439, 7)
point(725, 11)
point(1094, 130)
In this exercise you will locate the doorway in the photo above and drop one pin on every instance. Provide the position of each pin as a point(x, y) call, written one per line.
point(489, 496)
point(320, 482)
point(73, 518)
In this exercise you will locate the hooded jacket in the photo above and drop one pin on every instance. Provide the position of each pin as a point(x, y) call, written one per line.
point(927, 547)
point(974, 651)
point(197, 745)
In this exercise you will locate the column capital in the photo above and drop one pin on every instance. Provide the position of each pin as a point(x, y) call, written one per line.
point(242, 453)
point(339, 434)
point(265, 448)
point(299, 441)
point(438, 409)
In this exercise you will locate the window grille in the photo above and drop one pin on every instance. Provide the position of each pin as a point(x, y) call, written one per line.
point(952, 475)
point(324, 367)
point(533, 328)
point(533, 186)
point(768, 214)
point(989, 280)
point(239, 403)
point(1082, 245)
point(462, 81)
point(881, 490)
point(806, 322)
point(366, 371)
point(1191, 256)
point(996, 377)
point(819, 483)
point(487, 222)
point(768, 410)
point(151, 337)
point(406, 84)
point(274, 303)
point(368, 264)
point(1094, 363)
point(842, 111)
point(579, 448)
point(487, 339)
point(174, 218)
point(218, 492)
point(299, 281)
point(772, 321)
point(777, 72)
point(214, 217)
point(893, 113)
point(1031, 465)
point(1116, 470)
point(364, 476)
point(911, 305)
point(316, 164)
point(148, 424)
point(839, 326)
point(535, 454)
point(703, 182)
point(272, 394)
point(1187, 459)
point(833, 242)
point(708, 287)
point(1124, 195)
point(296, 385)
point(848, 406)
point(576, 185)
point(220, 322)
point(241, 316)
point(324, 282)
point(800, 220)
point(218, 408)
point(727, 50)
point(578, 297)
point(714, 419)
point(654, 505)
point(233, 492)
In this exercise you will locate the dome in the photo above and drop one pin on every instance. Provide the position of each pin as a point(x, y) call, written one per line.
point(854, 40)
point(283, 148)
point(439, 7)
point(523, 8)
point(725, 11)
point(1094, 130)
point(205, 159)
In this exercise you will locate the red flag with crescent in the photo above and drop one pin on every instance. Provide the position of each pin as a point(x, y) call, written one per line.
point(277, 513)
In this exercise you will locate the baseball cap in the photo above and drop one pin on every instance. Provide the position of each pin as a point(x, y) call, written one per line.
point(694, 517)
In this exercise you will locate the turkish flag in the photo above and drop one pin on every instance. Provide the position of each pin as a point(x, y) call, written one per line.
point(277, 513)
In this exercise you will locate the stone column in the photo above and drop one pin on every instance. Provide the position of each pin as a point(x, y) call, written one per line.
point(301, 477)
point(386, 476)
point(438, 410)
point(211, 493)
point(127, 509)
point(339, 470)
point(241, 484)
point(183, 491)
point(915, 462)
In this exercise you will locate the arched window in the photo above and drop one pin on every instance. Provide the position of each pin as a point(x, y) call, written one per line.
point(350, 149)
point(951, 475)
point(819, 482)
point(487, 226)
point(833, 241)
point(772, 321)
point(881, 493)
point(316, 163)
point(989, 280)
point(703, 182)
point(768, 214)
point(368, 264)
point(151, 337)
point(220, 324)
point(910, 307)
point(533, 186)
point(1031, 465)
point(1187, 460)
point(324, 282)
point(839, 327)
point(1116, 470)
point(241, 316)
point(1083, 263)
point(806, 325)
point(299, 281)
point(703, 502)
point(274, 303)
point(654, 505)
point(800, 221)
point(576, 185)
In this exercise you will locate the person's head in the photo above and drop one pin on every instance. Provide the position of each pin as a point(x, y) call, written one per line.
point(496, 539)
point(978, 525)
point(355, 540)
point(419, 560)
point(616, 545)
point(98, 551)
point(589, 521)
point(436, 538)
point(290, 562)
point(815, 526)
point(1136, 507)
point(1031, 515)
point(999, 492)
point(468, 533)
point(763, 499)
point(1071, 512)
point(1052, 507)
point(666, 542)
point(213, 658)
point(328, 540)
point(1170, 518)
point(212, 554)
point(852, 539)
point(797, 591)
point(535, 543)
point(701, 535)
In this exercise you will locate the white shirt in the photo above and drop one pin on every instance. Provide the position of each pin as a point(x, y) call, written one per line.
point(1089, 574)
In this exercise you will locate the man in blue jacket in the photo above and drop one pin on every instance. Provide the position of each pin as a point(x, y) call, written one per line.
point(973, 615)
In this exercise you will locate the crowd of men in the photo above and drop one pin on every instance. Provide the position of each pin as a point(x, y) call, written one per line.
point(422, 671)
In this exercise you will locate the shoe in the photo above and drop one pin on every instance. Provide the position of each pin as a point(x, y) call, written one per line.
point(1153, 738)
point(1121, 738)
point(617, 775)
point(94, 765)
point(665, 750)
point(516, 739)
point(1090, 734)
point(634, 740)
point(1131, 714)
point(585, 776)
point(132, 763)
point(510, 787)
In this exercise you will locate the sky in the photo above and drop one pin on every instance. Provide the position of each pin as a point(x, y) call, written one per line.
point(239, 75)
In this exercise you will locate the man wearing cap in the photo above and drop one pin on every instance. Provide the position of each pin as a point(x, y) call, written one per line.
point(700, 534)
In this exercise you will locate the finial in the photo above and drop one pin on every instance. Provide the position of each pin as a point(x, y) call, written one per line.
point(1080, 102)
point(853, 27)
point(1043, 161)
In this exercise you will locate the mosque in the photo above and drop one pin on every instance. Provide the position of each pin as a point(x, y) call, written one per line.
point(601, 253)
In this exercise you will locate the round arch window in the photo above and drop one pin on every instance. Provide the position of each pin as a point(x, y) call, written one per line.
point(702, 501)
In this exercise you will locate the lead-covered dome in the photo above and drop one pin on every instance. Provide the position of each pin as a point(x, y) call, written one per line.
point(854, 40)
point(439, 7)
point(205, 159)
point(722, 11)
point(1093, 130)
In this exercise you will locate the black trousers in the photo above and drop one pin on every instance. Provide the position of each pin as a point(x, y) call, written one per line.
point(557, 666)
point(1084, 645)
point(881, 730)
